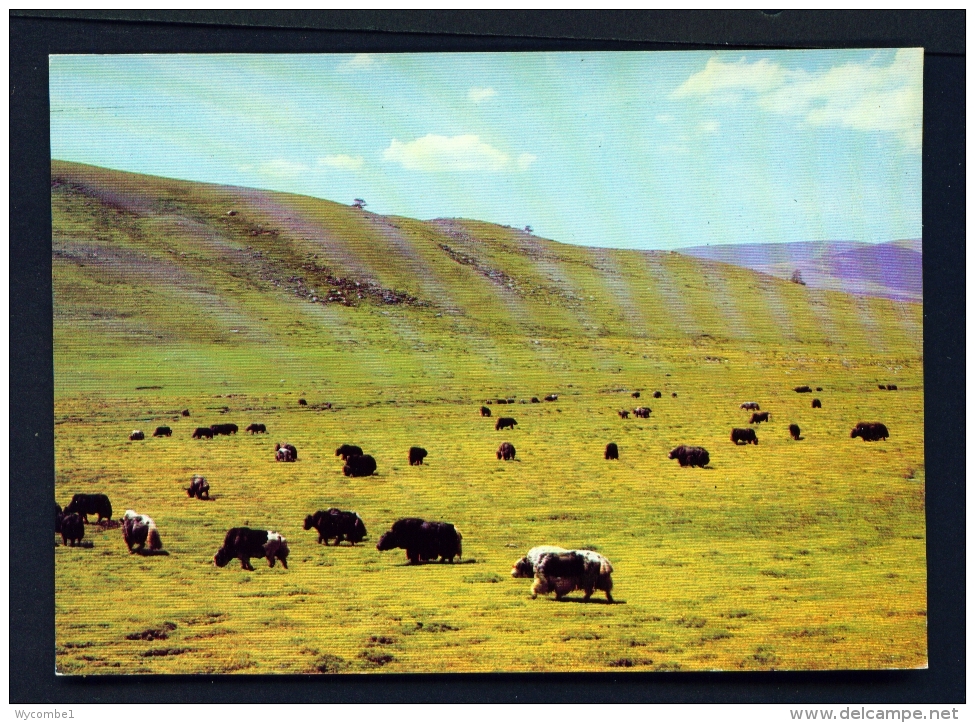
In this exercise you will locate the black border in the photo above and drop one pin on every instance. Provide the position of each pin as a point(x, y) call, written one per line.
point(35, 34)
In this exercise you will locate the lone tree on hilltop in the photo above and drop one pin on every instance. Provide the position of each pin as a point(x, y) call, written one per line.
point(528, 229)
point(358, 203)
point(796, 277)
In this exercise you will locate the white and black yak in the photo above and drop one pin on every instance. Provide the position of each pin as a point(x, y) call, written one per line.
point(199, 487)
point(140, 530)
point(752, 406)
point(642, 412)
point(285, 453)
point(243, 543)
point(561, 571)
point(137, 435)
point(423, 540)
point(338, 525)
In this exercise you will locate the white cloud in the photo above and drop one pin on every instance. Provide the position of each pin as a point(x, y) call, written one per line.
point(479, 95)
point(709, 127)
point(342, 161)
point(359, 61)
point(455, 153)
point(280, 167)
point(863, 96)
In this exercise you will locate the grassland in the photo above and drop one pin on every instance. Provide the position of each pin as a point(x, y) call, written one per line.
point(789, 555)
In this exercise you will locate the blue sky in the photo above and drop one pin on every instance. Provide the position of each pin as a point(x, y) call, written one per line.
point(627, 150)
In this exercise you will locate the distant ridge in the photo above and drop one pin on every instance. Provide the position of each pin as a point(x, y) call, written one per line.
point(891, 270)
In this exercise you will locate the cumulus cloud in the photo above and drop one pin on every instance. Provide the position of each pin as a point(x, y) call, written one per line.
point(281, 168)
point(455, 153)
point(863, 96)
point(359, 61)
point(479, 95)
point(342, 161)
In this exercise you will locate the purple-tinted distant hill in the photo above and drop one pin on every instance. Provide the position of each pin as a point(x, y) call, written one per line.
point(891, 270)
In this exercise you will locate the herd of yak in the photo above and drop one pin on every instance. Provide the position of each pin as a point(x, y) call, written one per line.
point(554, 569)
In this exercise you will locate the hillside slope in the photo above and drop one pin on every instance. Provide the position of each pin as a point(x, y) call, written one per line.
point(890, 270)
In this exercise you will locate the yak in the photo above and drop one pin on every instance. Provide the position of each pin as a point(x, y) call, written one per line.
point(359, 465)
point(794, 431)
point(72, 529)
point(422, 540)
point(347, 450)
point(816, 404)
point(85, 505)
point(137, 530)
point(751, 406)
point(244, 543)
point(758, 417)
point(642, 412)
point(506, 451)
point(416, 455)
point(336, 524)
point(199, 487)
point(744, 436)
point(224, 428)
point(485, 412)
point(804, 389)
point(870, 431)
point(612, 451)
point(137, 434)
point(505, 423)
point(690, 456)
point(256, 428)
point(202, 433)
point(563, 572)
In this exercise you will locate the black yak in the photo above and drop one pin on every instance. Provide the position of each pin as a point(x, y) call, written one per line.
point(657, 395)
point(674, 395)
point(199, 487)
point(758, 417)
point(505, 423)
point(336, 524)
point(347, 450)
point(422, 540)
point(506, 451)
point(870, 431)
point(71, 528)
point(85, 505)
point(202, 433)
point(416, 456)
point(612, 451)
point(882, 387)
point(690, 456)
point(819, 389)
point(58, 514)
point(185, 412)
point(536, 400)
point(224, 428)
point(623, 414)
point(892, 387)
point(244, 543)
point(794, 431)
point(302, 403)
point(137, 434)
point(485, 412)
point(803, 389)
point(256, 428)
point(163, 432)
point(359, 465)
point(744, 436)
point(635, 395)
point(138, 530)
point(816, 404)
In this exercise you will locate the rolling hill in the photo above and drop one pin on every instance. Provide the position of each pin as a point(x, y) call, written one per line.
point(891, 270)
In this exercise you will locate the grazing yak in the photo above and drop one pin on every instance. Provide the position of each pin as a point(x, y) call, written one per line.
point(199, 487)
point(870, 431)
point(136, 435)
point(552, 398)
point(256, 428)
point(758, 417)
point(72, 528)
point(506, 451)
point(416, 456)
point(348, 450)
point(690, 456)
point(612, 451)
point(185, 412)
point(657, 395)
point(744, 436)
point(285, 453)
point(485, 412)
point(502, 401)
point(224, 428)
point(819, 389)
point(163, 432)
point(892, 387)
point(137, 530)
point(422, 540)
point(794, 431)
point(816, 404)
point(302, 402)
point(244, 543)
point(85, 505)
point(536, 400)
point(803, 389)
point(335, 524)
point(623, 414)
point(674, 395)
point(562, 571)
point(359, 465)
point(202, 433)
point(642, 412)
point(635, 395)
point(751, 406)
point(505, 423)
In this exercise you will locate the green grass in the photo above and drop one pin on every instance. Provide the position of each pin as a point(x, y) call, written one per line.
point(789, 555)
